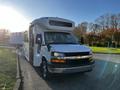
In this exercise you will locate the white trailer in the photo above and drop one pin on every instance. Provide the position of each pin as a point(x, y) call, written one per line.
point(16, 38)
point(52, 47)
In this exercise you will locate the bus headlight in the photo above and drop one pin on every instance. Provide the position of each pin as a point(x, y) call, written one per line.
point(57, 54)
point(57, 57)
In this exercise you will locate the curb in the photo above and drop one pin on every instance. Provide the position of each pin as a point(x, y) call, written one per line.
point(18, 84)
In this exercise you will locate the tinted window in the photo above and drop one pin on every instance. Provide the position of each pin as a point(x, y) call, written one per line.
point(59, 23)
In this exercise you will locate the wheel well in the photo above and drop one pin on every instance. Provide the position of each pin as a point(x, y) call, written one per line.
point(44, 59)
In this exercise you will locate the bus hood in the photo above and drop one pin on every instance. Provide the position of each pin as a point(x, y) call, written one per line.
point(69, 48)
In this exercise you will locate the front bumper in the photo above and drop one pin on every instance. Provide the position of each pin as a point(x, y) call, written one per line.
point(71, 69)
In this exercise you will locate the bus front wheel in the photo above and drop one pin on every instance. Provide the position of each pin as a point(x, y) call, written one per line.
point(45, 72)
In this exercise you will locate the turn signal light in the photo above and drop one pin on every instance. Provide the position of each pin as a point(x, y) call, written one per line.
point(58, 61)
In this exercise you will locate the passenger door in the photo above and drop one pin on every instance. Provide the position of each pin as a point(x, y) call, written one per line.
point(38, 44)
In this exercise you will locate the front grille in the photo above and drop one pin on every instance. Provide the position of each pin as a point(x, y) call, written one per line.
point(77, 54)
point(73, 63)
point(78, 62)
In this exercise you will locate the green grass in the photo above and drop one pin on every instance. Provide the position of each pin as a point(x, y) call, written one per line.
point(7, 69)
point(105, 50)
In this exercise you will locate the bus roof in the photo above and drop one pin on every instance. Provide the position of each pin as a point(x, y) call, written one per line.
point(54, 23)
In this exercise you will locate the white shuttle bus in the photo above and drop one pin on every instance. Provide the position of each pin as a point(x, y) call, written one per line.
point(52, 46)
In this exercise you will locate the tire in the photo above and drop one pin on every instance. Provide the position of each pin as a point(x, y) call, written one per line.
point(45, 72)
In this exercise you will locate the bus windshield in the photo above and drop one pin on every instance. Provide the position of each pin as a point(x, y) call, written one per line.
point(59, 38)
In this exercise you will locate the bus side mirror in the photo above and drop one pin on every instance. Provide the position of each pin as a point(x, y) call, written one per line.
point(81, 40)
point(38, 39)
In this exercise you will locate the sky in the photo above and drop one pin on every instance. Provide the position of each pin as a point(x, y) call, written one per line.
point(76, 10)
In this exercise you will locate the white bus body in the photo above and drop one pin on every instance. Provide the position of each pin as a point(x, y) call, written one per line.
point(52, 45)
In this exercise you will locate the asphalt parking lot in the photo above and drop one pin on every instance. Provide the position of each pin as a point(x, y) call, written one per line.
point(105, 76)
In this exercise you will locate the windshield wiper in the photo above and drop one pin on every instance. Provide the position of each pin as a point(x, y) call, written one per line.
point(54, 43)
point(62, 43)
point(71, 43)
